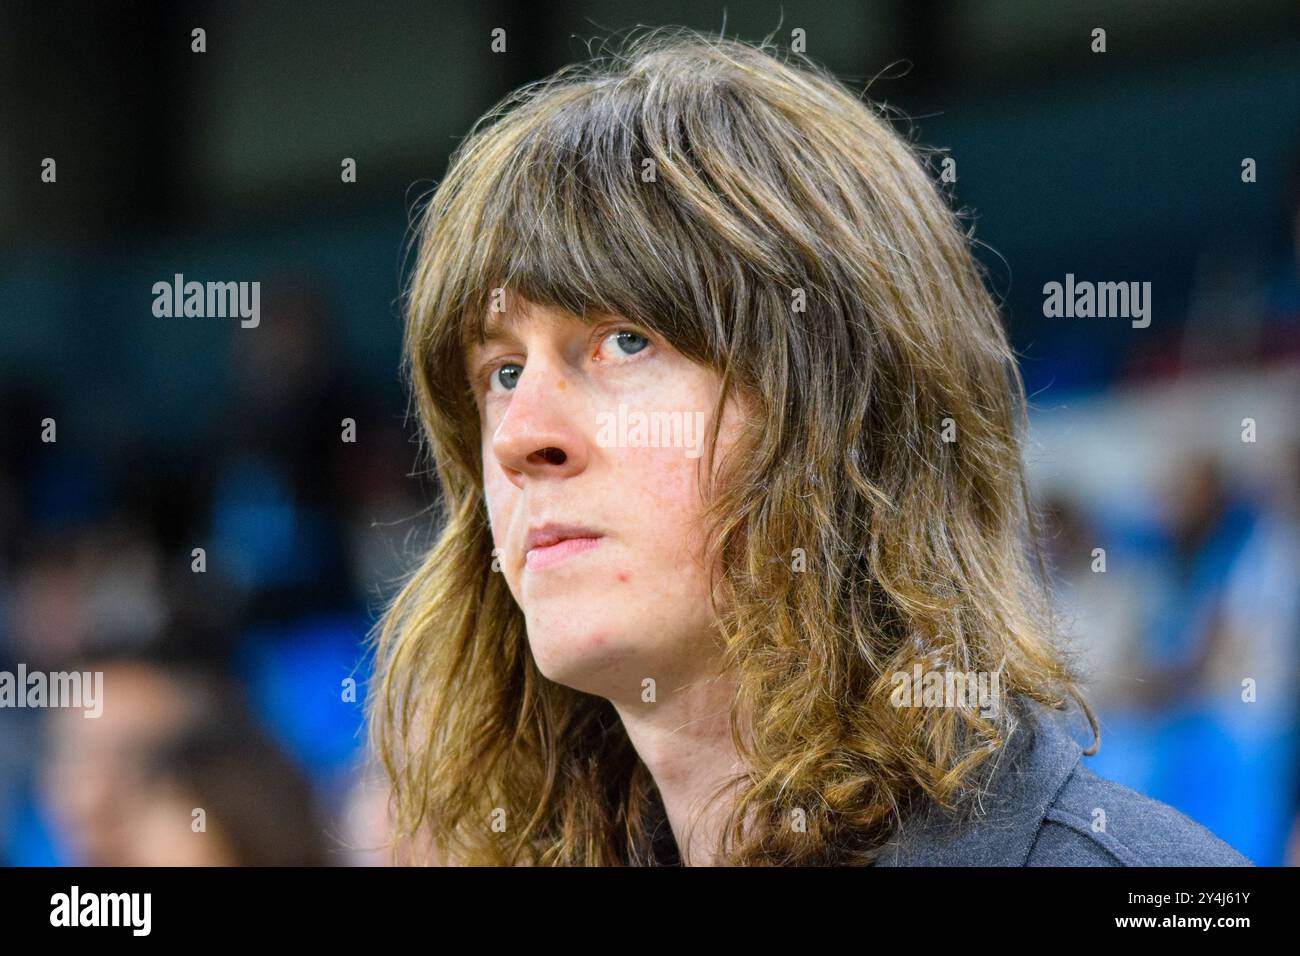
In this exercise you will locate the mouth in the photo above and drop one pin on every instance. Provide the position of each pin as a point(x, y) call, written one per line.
point(549, 544)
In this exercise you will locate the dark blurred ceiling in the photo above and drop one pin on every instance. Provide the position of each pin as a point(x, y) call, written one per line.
point(148, 133)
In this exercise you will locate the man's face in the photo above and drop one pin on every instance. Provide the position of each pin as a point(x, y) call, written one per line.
point(612, 582)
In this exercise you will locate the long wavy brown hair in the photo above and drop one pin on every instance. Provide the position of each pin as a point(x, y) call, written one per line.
point(745, 206)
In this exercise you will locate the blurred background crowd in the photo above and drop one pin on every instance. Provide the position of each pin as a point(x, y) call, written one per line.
point(232, 689)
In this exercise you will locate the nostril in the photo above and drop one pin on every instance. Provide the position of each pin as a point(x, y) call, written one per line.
point(553, 456)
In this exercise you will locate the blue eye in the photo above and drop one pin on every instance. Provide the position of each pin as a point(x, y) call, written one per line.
point(630, 342)
point(508, 375)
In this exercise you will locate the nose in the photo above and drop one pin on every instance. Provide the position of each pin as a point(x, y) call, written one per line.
point(537, 437)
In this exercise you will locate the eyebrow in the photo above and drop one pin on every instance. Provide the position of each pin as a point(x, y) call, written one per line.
point(491, 333)
point(495, 330)
point(500, 327)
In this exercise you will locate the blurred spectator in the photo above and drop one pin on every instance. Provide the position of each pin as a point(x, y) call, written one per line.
point(124, 787)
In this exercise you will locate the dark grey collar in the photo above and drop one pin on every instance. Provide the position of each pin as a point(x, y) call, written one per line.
point(1040, 754)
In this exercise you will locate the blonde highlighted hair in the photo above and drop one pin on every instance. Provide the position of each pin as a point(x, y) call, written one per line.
point(699, 186)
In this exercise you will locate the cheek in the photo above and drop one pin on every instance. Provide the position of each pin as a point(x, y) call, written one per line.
point(660, 488)
point(661, 491)
point(499, 498)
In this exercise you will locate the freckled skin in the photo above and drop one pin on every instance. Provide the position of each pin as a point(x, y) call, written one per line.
point(645, 500)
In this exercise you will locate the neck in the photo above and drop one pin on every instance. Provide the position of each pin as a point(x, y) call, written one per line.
point(685, 742)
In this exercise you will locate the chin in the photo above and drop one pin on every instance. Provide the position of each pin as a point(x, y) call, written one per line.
point(592, 659)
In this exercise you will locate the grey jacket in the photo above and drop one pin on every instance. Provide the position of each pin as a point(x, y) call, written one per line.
point(1045, 808)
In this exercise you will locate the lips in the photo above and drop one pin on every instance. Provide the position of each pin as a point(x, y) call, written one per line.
point(546, 544)
point(546, 535)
